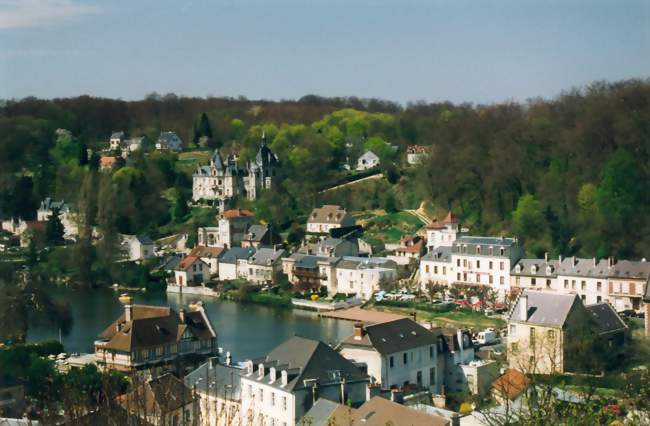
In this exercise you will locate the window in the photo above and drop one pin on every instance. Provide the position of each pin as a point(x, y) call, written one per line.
point(583, 285)
point(478, 278)
point(490, 279)
point(432, 376)
point(533, 282)
point(478, 249)
point(250, 391)
point(548, 283)
point(583, 297)
point(566, 283)
point(532, 336)
point(405, 358)
point(598, 299)
point(573, 284)
point(457, 262)
point(478, 264)
point(260, 394)
point(501, 266)
point(419, 378)
point(435, 269)
point(514, 347)
point(284, 403)
point(272, 399)
point(502, 251)
point(391, 361)
point(431, 351)
point(513, 329)
point(632, 288)
point(491, 264)
point(501, 281)
point(444, 270)
point(458, 276)
point(599, 286)
point(551, 334)
point(426, 269)
point(465, 263)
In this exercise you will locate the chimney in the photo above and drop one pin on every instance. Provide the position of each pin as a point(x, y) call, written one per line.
point(272, 375)
point(396, 396)
point(181, 315)
point(285, 377)
point(523, 307)
point(560, 259)
point(228, 358)
point(595, 262)
point(573, 261)
point(545, 257)
point(358, 331)
point(127, 301)
point(610, 261)
point(260, 370)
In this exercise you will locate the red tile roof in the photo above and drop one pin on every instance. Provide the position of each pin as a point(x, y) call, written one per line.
point(237, 213)
point(511, 384)
point(439, 224)
point(107, 162)
point(187, 262)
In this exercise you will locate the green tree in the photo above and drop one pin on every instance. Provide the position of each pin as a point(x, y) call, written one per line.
point(620, 191)
point(54, 229)
point(528, 217)
point(180, 207)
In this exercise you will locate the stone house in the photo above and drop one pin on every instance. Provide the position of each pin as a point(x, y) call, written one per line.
point(264, 266)
point(233, 262)
point(323, 219)
point(138, 247)
point(169, 141)
point(209, 255)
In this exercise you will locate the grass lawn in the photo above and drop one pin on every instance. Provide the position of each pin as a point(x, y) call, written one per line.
point(456, 318)
point(389, 228)
point(187, 161)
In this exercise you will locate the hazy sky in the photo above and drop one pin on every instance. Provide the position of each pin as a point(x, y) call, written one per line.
point(459, 50)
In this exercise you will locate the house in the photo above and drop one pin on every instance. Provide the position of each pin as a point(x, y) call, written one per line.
point(627, 282)
point(108, 162)
point(134, 144)
point(209, 255)
point(416, 154)
point(164, 400)
point(484, 261)
point(219, 181)
point(233, 262)
point(232, 227)
point(261, 236)
point(377, 411)
point(535, 274)
point(155, 338)
point(169, 263)
point(323, 219)
point(510, 386)
point(169, 141)
point(331, 247)
point(282, 386)
point(363, 275)
point(310, 272)
point(67, 218)
point(434, 267)
point(367, 161)
point(398, 353)
point(555, 333)
point(264, 266)
point(411, 248)
point(218, 389)
point(116, 140)
point(192, 271)
point(585, 277)
point(460, 372)
point(138, 247)
point(443, 233)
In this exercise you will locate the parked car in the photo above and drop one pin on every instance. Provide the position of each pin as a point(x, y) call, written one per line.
point(405, 297)
point(486, 337)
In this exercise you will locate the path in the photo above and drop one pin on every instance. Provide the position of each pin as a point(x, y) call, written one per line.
point(375, 176)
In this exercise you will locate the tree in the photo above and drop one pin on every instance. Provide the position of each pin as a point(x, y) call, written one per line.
point(180, 207)
point(54, 229)
point(528, 217)
point(620, 191)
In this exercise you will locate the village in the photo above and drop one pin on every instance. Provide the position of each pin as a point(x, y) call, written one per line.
point(448, 327)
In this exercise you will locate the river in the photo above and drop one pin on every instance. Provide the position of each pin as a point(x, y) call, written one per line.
point(245, 330)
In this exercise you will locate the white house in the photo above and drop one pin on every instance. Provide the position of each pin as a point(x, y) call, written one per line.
point(323, 219)
point(218, 387)
point(192, 271)
point(398, 353)
point(443, 233)
point(233, 262)
point(279, 388)
point(588, 278)
point(116, 139)
point(435, 267)
point(169, 141)
point(138, 247)
point(307, 271)
point(367, 161)
point(363, 275)
point(535, 274)
point(416, 154)
point(264, 265)
point(209, 255)
point(484, 261)
point(67, 218)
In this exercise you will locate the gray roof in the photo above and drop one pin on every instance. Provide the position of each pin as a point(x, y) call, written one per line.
point(606, 317)
point(116, 135)
point(439, 254)
point(353, 262)
point(579, 267)
point(328, 214)
point(144, 239)
point(265, 156)
point(266, 256)
point(255, 233)
point(369, 154)
point(545, 308)
point(216, 379)
point(321, 412)
point(50, 204)
point(631, 269)
point(167, 137)
point(541, 265)
point(488, 241)
point(308, 359)
point(310, 261)
point(395, 336)
point(235, 253)
point(169, 263)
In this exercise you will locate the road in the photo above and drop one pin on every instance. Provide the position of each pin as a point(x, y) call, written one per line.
point(375, 176)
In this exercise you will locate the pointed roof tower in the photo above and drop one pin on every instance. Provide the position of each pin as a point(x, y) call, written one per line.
point(216, 160)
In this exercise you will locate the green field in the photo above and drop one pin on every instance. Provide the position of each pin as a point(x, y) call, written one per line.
point(456, 318)
point(389, 228)
point(187, 161)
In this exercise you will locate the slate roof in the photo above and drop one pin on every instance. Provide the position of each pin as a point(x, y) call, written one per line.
point(394, 336)
point(217, 379)
point(488, 241)
point(49, 204)
point(541, 264)
point(203, 251)
point(579, 267)
point(256, 233)
point(379, 411)
point(153, 326)
point(167, 137)
point(265, 157)
point(170, 262)
point(450, 337)
point(144, 239)
point(233, 254)
point(117, 135)
point(163, 394)
point(631, 269)
point(308, 261)
point(439, 254)
point(352, 262)
point(322, 411)
point(328, 214)
point(606, 317)
point(308, 359)
point(266, 256)
point(545, 308)
point(369, 155)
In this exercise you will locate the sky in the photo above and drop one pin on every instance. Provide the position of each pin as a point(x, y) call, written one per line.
point(479, 51)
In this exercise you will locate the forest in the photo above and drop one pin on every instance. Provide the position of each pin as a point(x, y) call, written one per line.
point(568, 175)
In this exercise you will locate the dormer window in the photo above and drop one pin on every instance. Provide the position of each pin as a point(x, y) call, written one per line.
point(518, 268)
point(533, 269)
point(549, 270)
point(478, 249)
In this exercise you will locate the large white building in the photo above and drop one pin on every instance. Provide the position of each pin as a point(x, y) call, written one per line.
point(362, 275)
point(220, 180)
point(232, 227)
point(279, 388)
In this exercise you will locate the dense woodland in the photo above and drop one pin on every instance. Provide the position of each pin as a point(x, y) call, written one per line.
point(568, 175)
